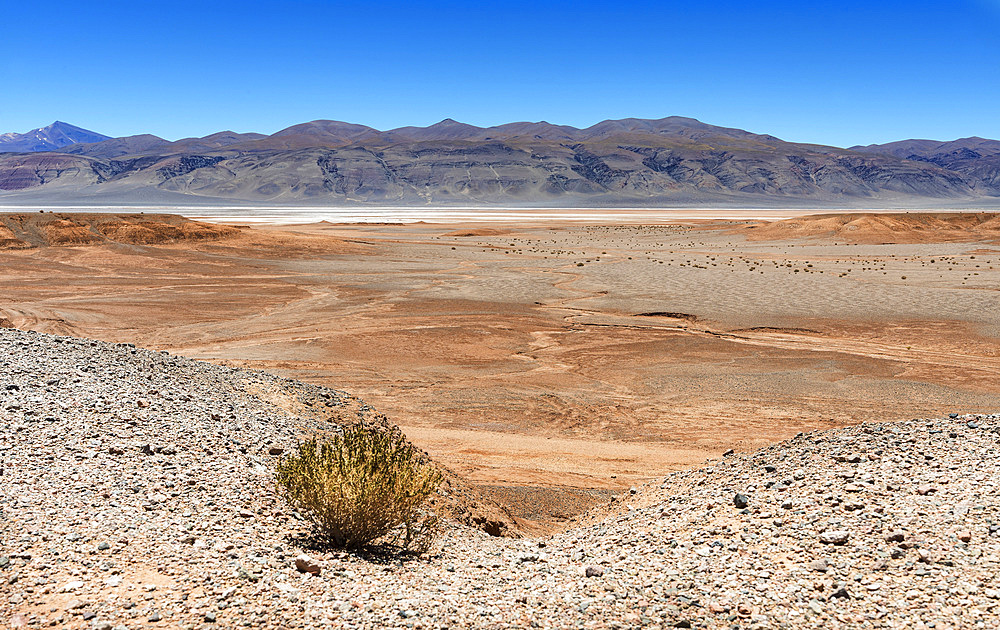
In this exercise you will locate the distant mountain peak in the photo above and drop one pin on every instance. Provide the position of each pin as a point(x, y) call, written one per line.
point(50, 138)
point(451, 123)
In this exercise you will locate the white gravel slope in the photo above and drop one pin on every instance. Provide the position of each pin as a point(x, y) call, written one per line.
point(136, 491)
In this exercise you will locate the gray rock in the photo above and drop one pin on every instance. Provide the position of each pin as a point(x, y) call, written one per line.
point(819, 565)
point(835, 537)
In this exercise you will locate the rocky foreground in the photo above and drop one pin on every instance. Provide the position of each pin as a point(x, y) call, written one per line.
point(136, 491)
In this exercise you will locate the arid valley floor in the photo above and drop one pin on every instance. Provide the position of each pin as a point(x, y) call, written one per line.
point(554, 363)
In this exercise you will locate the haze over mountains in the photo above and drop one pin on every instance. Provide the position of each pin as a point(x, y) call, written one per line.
point(630, 162)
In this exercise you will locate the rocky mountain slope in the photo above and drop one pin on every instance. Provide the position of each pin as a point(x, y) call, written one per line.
point(51, 138)
point(137, 490)
point(976, 159)
point(636, 162)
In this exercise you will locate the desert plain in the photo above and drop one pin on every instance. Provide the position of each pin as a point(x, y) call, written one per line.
point(550, 362)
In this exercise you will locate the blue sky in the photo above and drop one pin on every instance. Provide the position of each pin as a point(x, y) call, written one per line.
point(839, 73)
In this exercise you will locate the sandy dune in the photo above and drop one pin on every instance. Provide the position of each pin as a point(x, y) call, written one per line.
point(554, 355)
point(876, 228)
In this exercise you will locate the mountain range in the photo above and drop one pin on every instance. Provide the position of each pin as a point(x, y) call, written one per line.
point(630, 162)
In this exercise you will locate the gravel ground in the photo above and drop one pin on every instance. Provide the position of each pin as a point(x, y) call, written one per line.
point(136, 492)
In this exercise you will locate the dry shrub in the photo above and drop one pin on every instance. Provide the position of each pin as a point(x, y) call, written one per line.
point(364, 486)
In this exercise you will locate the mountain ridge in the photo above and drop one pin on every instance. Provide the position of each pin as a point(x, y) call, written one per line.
point(666, 161)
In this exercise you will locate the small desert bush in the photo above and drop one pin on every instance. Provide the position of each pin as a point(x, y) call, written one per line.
point(365, 485)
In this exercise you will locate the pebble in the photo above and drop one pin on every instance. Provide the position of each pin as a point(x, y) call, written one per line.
point(840, 592)
point(819, 565)
point(305, 564)
point(835, 537)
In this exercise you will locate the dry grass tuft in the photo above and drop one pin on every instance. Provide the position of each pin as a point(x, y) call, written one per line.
point(363, 487)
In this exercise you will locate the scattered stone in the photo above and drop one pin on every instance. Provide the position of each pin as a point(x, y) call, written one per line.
point(209, 516)
point(741, 501)
point(819, 565)
point(840, 592)
point(835, 537)
point(305, 564)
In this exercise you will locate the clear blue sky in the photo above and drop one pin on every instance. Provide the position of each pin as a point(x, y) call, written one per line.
point(839, 73)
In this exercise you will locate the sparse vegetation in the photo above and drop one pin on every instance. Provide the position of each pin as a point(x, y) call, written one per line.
point(363, 487)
